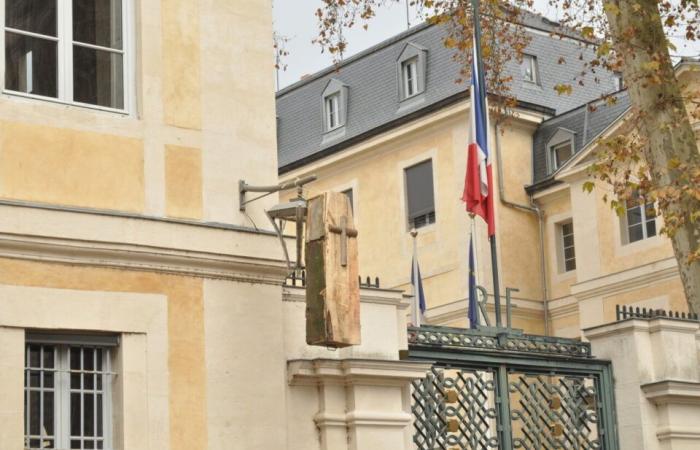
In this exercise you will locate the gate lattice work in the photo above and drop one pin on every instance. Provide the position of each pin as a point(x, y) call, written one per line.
point(506, 391)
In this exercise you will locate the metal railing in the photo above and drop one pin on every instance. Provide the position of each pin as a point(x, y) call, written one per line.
point(623, 312)
point(299, 280)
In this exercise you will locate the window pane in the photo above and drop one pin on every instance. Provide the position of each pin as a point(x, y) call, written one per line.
point(99, 412)
point(570, 265)
point(98, 77)
point(569, 253)
point(89, 415)
point(31, 65)
point(48, 414)
point(562, 153)
point(98, 22)
point(34, 413)
point(75, 358)
point(89, 444)
point(568, 240)
point(75, 381)
point(636, 233)
point(651, 228)
point(75, 444)
point(98, 359)
point(37, 16)
point(34, 355)
point(634, 215)
point(75, 414)
point(88, 381)
point(88, 358)
point(48, 379)
point(34, 378)
point(419, 190)
point(48, 357)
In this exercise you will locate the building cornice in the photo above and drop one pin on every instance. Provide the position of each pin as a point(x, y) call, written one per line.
point(354, 371)
point(143, 258)
point(626, 280)
point(374, 296)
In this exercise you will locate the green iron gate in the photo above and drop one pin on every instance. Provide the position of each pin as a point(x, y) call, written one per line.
point(491, 390)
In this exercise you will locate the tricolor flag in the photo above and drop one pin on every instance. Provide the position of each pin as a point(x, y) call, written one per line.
point(478, 185)
point(418, 295)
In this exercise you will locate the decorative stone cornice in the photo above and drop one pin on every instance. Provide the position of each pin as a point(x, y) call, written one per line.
point(142, 257)
point(641, 325)
point(354, 371)
point(673, 392)
point(373, 296)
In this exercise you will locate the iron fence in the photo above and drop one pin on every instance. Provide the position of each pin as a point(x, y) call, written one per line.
point(299, 280)
point(623, 312)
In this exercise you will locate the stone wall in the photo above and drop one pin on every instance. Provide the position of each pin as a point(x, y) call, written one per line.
point(656, 366)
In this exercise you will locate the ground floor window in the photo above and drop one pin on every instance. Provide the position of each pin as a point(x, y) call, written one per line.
point(68, 394)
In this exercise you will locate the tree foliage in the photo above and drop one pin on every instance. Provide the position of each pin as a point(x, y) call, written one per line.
point(656, 159)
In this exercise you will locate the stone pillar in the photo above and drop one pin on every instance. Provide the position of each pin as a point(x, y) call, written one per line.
point(361, 402)
point(656, 367)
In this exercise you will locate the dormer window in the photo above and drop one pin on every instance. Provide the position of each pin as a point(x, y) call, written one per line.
point(561, 153)
point(410, 77)
point(560, 147)
point(411, 66)
point(334, 106)
point(333, 111)
point(528, 69)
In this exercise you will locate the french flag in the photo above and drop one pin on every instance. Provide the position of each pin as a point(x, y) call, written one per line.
point(478, 182)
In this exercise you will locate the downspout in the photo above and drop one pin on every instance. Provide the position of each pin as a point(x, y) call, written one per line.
point(532, 208)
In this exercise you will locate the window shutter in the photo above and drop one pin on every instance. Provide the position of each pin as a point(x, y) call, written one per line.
point(419, 189)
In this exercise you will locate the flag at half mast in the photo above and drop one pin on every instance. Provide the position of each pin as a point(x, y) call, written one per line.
point(478, 183)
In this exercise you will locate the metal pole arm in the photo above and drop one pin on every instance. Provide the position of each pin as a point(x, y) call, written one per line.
point(244, 187)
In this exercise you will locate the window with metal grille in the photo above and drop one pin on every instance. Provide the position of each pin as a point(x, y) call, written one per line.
point(410, 77)
point(67, 395)
point(640, 220)
point(419, 195)
point(567, 246)
point(71, 51)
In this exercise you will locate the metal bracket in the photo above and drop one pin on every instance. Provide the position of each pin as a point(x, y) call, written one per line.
point(244, 188)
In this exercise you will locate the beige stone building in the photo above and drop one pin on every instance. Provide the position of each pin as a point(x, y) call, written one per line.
point(139, 307)
point(390, 126)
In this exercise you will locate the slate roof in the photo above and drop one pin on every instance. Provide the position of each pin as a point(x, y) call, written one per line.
point(587, 124)
point(373, 105)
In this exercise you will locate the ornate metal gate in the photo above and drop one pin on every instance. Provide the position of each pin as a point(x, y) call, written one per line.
point(491, 390)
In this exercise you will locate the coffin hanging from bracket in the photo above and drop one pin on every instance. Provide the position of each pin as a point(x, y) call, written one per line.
point(332, 284)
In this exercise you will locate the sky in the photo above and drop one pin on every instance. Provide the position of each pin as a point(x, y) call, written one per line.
point(295, 20)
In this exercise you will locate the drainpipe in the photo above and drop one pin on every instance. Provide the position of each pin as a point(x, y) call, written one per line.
point(531, 208)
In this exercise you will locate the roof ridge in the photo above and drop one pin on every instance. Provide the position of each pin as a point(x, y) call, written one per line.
point(617, 94)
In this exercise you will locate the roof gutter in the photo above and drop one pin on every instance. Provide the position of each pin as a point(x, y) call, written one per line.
point(531, 208)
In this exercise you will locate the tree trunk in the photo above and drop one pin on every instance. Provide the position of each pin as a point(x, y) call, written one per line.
point(638, 35)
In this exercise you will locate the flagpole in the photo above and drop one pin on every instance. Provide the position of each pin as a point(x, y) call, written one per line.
point(416, 300)
point(482, 100)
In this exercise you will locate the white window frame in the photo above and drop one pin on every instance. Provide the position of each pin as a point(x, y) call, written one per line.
point(62, 392)
point(532, 59)
point(563, 247)
point(64, 39)
point(553, 152)
point(332, 111)
point(409, 75)
point(644, 219)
